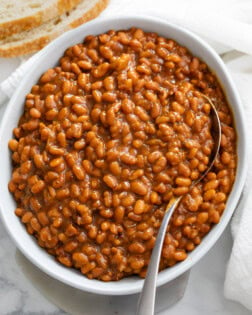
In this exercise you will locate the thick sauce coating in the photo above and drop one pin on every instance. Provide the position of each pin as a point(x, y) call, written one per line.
point(106, 139)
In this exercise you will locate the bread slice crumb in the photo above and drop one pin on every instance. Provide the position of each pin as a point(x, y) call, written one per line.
point(35, 39)
point(19, 16)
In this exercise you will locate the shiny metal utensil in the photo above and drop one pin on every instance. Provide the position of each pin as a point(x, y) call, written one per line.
point(146, 302)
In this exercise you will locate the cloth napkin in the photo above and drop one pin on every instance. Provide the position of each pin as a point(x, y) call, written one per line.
point(238, 283)
point(226, 25)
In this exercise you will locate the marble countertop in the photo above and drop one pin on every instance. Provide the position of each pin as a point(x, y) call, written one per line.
point(25, 290)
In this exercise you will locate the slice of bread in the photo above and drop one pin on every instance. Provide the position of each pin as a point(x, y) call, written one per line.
point(17, 16)
point(36, 38)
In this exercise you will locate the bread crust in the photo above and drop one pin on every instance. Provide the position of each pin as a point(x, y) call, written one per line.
point(42, 16)
point(38, 43)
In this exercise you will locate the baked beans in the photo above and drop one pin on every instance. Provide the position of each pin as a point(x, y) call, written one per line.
point(106, 139)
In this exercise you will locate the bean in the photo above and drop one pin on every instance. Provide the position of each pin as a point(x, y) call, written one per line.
point(182, 181)
point(160, 165)
point(80, 259)
point(128, 159)
point(27, 217)
point(128, 201)
point(78, 172)
point(38, 187)
point(38, 161)
point(184, 170)
point(139, 207)
point(154, 156)
point(213, 184)
point(119, 214)
point(43, 219)
point(111, 181)
point(202, 217)
point(136, 248)
point(139, 187)
point(209, 194)
point(180, 191)
point(225, 158)
point(180, 255)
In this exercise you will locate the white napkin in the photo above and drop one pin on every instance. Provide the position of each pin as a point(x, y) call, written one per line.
point(226, 25)
point(238, 283)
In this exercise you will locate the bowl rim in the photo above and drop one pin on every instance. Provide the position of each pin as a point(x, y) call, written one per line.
point(168, 274)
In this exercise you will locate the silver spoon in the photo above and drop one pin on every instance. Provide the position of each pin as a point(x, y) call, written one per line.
point(146, 302)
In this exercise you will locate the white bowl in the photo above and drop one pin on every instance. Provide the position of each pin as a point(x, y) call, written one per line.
point(49, 58)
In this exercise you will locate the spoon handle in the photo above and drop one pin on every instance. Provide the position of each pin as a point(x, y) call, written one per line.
point(146, 302)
